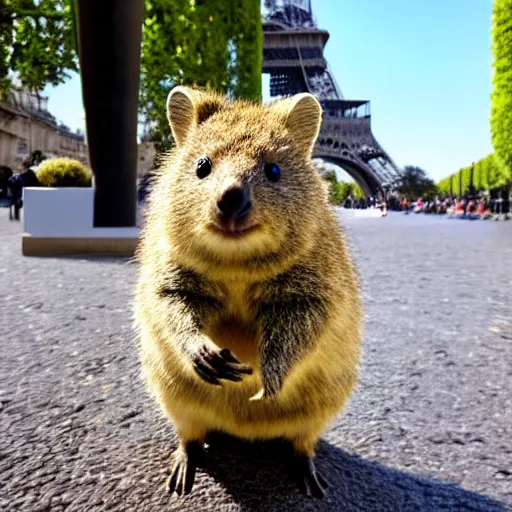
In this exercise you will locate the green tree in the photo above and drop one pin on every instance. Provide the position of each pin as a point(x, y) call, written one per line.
point(37, 42)
point(414, 183)
point(444, 185)
point(456, 184)
point(215, 44)
point(247, 41)
point(340, 191)
point(488, 173)
point(501, 111)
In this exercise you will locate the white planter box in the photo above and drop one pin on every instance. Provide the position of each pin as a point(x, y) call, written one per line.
point(58, 212)
point(59, 221)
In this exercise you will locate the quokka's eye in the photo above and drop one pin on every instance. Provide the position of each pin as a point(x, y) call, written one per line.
point(203, 167)
point(272, 172)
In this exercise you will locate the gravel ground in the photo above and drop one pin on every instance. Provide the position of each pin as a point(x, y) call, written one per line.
point(429, 428)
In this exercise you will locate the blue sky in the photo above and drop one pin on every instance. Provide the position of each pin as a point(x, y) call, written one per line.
point(424, 65)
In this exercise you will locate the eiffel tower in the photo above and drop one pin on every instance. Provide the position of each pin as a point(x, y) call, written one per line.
point(293, 56)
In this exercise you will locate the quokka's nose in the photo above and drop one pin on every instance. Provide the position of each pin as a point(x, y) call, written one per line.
point(234, 203)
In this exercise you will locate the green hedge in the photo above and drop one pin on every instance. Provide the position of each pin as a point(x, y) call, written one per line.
point(488, 173)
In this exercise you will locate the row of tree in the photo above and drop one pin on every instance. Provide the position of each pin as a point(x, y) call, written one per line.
point(495, 170)
point(486, 174)
point(214, 43)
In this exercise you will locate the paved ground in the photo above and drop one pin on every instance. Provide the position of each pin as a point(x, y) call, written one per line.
point(430, 427)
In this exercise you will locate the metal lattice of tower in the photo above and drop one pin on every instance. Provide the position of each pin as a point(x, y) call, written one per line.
point(293, 56)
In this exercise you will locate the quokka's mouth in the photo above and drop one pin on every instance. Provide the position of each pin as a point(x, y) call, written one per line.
point(231, 230)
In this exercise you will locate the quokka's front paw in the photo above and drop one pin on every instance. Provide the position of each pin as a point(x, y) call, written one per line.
point(212, 366)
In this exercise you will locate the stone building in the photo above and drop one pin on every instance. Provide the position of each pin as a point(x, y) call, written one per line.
point(72, 144)
point(26, 125)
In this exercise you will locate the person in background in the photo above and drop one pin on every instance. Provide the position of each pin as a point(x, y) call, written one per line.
point(15, 184)
point(460, 209)
point(437, 205)
point(5, 174)
point(29, 178)
point(144, 187)
point(483, 211)
point(472, 206)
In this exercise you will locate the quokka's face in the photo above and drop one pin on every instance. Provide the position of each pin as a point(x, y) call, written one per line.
point(241, 181)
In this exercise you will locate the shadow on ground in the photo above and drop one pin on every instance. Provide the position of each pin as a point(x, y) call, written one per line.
point(117, 260)
point(256, 476)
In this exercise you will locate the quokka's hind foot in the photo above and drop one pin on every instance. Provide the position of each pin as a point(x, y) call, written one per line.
point(310, 480)
point(183, 472)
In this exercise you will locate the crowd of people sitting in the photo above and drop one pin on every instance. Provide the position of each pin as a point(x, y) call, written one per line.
point(471, 208)
point(363, 203)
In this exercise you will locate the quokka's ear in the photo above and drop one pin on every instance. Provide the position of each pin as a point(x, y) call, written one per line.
point(187, 108)
point(303, 118)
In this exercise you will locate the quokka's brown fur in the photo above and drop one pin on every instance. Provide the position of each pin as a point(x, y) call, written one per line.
point(284, 297)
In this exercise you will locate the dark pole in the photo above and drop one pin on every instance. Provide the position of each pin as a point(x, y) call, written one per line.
point(460, 185)
point(109, 38)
